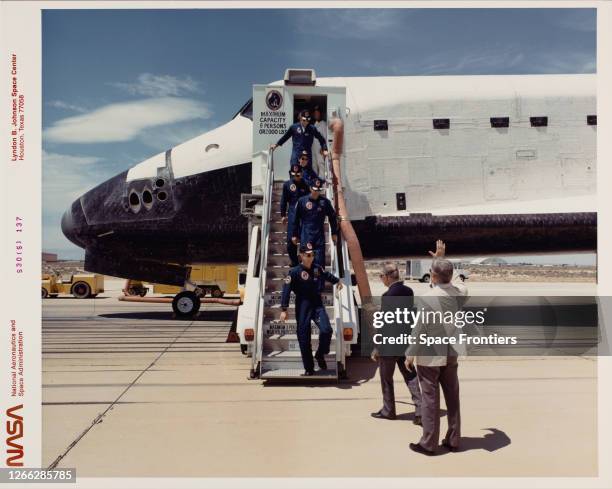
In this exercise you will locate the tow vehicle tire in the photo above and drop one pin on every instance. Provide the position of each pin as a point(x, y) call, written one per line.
point(143, 292)
point(216, 293)
point(426, 278)
point(462, 277)
point(186, 304)
point(81, 290)
point(44, 293)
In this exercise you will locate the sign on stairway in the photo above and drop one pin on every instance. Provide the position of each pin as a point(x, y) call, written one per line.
point(282, 328)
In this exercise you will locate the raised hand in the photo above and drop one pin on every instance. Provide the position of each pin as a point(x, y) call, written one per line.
point(440, 250)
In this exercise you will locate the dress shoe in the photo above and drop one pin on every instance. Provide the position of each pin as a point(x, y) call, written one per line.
point(447, 445)
point(321, 361)
point(380, 415)
point(308, 373)
point(416, 447)
point(417, 421)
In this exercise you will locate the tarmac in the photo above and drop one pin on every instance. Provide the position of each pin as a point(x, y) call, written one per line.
point(128, 391)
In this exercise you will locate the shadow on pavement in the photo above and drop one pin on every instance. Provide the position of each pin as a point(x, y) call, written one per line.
point(410, 416)
point(64, 297)
point(490, 442)
point(225, 315)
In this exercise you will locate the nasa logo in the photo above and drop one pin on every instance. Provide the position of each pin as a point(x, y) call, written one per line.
point(274, 100)
point(14, 428)
point(292, 187)
point(308, 205)
point(304, 275)
point(288, 279)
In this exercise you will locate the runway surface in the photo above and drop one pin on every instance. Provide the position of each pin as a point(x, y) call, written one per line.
point(129, 391)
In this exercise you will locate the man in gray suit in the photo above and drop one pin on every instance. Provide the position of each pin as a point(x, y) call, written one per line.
point(395, 288)
point(438, 367)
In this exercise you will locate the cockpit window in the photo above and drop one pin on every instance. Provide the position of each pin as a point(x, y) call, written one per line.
point(246, 110)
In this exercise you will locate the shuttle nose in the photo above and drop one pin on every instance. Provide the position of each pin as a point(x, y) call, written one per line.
point(72, 223)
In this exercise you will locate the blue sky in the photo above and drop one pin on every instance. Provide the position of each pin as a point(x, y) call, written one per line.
point(122, 85)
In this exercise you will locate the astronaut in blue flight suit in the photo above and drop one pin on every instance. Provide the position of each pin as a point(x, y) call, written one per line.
point(308, 173)
point(293, 189)
point(302, 134)
point(307, 281)
point(308, 223)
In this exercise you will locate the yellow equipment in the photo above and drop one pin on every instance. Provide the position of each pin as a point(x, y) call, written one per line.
point(136, 287)
point(80, 285)
point(215, 280)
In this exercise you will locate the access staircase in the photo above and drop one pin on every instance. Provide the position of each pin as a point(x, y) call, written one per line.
point(276, 352)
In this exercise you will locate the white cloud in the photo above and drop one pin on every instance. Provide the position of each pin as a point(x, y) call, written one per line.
point(65, 178)
point(575, 62)
point(69, 161)
point(491, 60)
point(485, 61)
point(58, 104)
point(124, 121)
point(352, 23)
point(150, 85)
point(160, 139)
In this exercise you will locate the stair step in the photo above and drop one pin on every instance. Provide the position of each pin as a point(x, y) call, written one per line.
point(288, 364)
point(276, 348)
point(279, 246)
point(278, 228)
point(274, 299)
point(276, 272)
point(281, 271)
point(273, 312)
point(275, 284)
point(293, 337)
point(290, 343)
point(278, 225)
point(296, 373)
point(280, 237)
point(278, 259)
point(282, 259)
point(287, 356)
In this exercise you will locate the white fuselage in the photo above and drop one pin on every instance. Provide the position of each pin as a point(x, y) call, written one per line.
point(470, 168)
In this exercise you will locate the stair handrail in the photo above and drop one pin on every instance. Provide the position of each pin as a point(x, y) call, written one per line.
point(267, 186)
point(334, 262)
point(346, 311)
